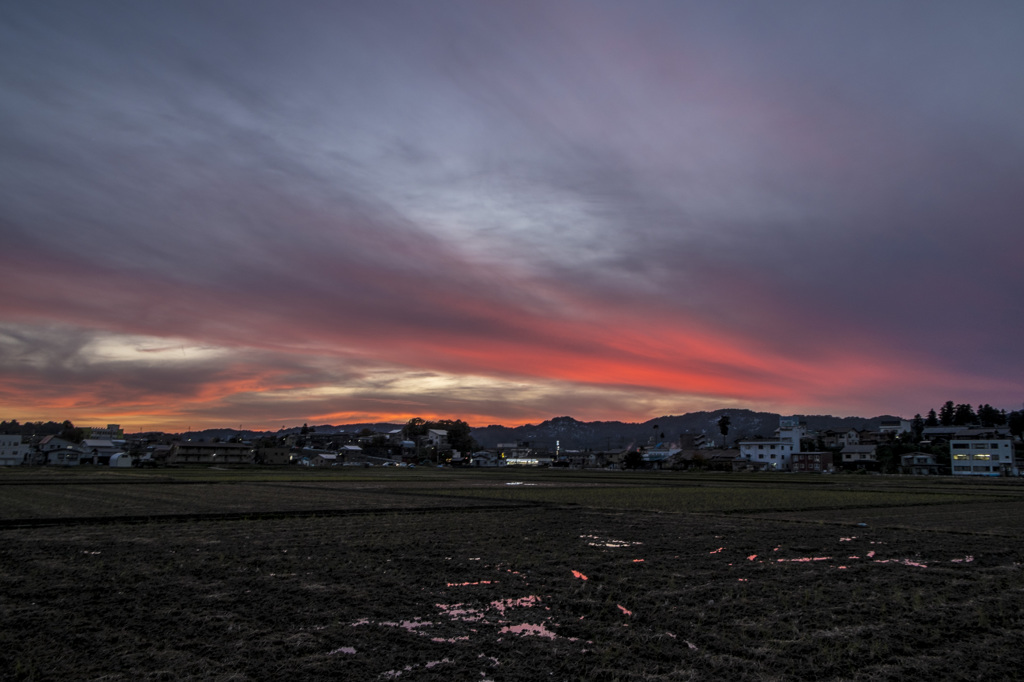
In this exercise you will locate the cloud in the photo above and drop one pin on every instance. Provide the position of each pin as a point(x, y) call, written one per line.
point(595, 205)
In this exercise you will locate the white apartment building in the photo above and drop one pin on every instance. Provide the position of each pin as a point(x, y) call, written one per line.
point(774, 454)
point(982, 452)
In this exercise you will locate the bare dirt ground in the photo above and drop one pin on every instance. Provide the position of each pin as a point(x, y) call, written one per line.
point(537, 592)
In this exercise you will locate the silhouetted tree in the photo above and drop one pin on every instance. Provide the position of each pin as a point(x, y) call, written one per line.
point(917, 426)
point(1015, 420)
point(946, 413)
point(989, 416)
point(723, 425)
point(964, 415)
point(633, 459)
point(932, 420)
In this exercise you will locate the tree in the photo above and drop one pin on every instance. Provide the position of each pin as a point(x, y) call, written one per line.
point(946, 413)
point(633, 459)
point(932, 421)
point(964, 415)
point(917, 426)
point(989, 416)
point(723, 425)
point(1015, 420)
point(414, 428)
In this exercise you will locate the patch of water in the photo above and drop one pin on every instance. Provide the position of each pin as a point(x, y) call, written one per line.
point(624, 610)
point(598, 541)
point(478, 582)
point(528, 629)
point(577, 574)
point(342, 650)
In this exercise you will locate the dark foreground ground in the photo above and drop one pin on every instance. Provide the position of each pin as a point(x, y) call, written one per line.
point(526, 593)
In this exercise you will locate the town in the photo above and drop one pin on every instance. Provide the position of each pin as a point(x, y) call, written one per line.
point(956, 441)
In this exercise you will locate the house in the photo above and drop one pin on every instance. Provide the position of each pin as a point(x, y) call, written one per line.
point(59, 452)
point(98, 450)
point(895, 426)
point(813, 462)
point(659, 453)
point(484, 458)
point(12, 451)
point(859, 457)
point(982, 452)
point(437, 438)
point(939, 434)
point(840, 438)
point(919, 464)
point(324, 459)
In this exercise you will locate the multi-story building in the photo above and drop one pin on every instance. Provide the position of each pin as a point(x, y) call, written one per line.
point(982, 452)
point(12, 451)
point(773, 454)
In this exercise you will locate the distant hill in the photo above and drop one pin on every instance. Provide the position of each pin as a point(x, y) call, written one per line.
point(571, 434)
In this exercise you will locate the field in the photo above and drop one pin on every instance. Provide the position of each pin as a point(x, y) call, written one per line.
point(378, 574)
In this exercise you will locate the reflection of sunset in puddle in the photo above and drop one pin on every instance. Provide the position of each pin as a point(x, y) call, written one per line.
point(577, 574)
point(598, 541)
point(528, 629)
point(869, 556)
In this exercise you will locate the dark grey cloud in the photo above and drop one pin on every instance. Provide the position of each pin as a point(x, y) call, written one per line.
point(798, 178)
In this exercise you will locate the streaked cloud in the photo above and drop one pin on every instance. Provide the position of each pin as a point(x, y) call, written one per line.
point(262, 213)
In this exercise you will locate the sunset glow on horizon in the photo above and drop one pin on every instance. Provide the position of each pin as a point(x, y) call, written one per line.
point(263, 215)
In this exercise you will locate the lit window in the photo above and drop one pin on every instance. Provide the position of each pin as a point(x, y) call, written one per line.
point(961, 456)
point(980, 455)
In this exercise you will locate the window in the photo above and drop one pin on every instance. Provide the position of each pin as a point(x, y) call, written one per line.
point(961, 445)
point(760, 447)
point(960, 455)
point(994, 446)
point(981, 445)
point(773, 455)
point(761, 456)
point(772, 447)
point(981, 455)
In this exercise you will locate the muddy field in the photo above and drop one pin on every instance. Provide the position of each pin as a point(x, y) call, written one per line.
point(422, 591)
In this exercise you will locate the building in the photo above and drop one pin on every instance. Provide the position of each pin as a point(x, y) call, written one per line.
point(860, 457)
point(840, 438)
point(982, 452)
point(98, 450)
point(895, 426)
point(812, 462)
point(773, 454)
point(12, 451)
point(210, 453)
point(919, 464)
point(111, 432)
point(59, 452)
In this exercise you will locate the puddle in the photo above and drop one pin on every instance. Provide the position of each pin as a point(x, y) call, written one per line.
point(717, 551)
point(478, 582)
point(528, 629)
point(577, 574)
point(342, 650)
point(624, 610)
point(598, 541)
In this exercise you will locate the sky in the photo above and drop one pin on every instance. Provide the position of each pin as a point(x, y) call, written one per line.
point(262, 214)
